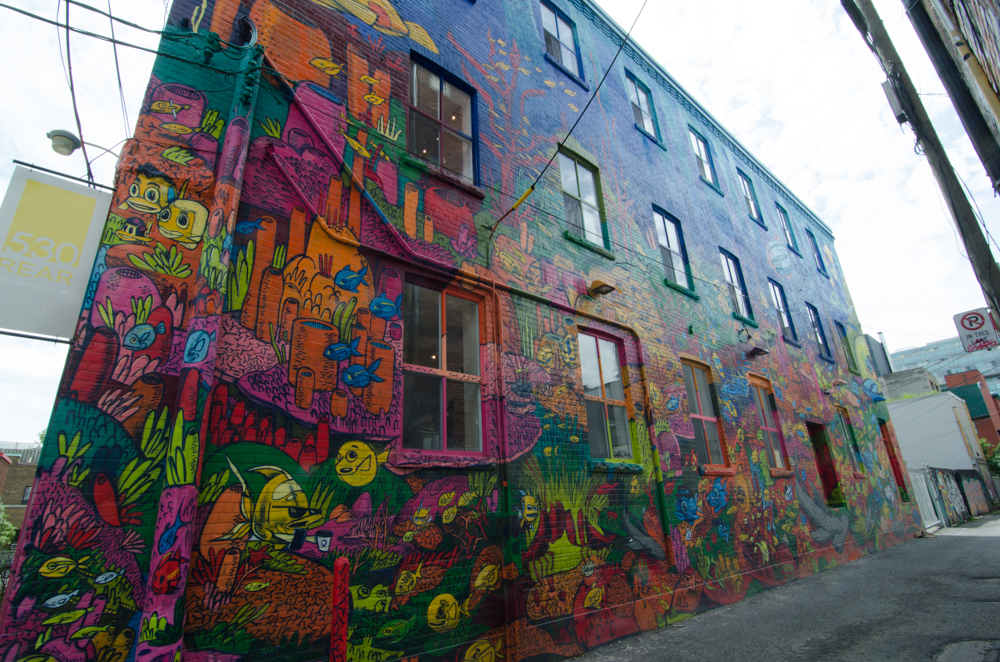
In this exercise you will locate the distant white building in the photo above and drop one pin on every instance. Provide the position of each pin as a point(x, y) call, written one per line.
point(945, 357)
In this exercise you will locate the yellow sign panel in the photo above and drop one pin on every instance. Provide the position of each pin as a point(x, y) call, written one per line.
point(50, 229)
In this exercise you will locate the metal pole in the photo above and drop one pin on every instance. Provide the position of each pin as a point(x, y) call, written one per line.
point(866, 19)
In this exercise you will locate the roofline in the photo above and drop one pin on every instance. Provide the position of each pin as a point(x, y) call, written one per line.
point(672, 86)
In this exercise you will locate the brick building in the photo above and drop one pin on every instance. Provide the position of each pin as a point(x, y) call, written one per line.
point(15, 486)
point(313, 333)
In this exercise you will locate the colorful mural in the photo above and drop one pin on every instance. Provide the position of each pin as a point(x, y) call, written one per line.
point(232, 422)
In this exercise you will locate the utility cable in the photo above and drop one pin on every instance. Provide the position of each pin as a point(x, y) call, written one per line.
point(118, 71)
point(979, 213)
point(72, 93)
point(531, 189)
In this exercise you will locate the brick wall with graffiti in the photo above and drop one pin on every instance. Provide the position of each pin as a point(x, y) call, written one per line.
point(312, 333)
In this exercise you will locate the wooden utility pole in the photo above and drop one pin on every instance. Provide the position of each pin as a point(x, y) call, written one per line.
point(866, 19)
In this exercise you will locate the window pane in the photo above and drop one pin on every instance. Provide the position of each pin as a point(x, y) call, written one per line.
point(574, 214)
point(567, 171)
point(713, 443)
point(637, 114)
point(421, 326)
point(588, 192)
point(457, 109)
point(553, 47)
point(463, 413)
point(779, 456)
point(692, 394)
point(704, 393)
point(456, 153)
point(565, 33)
point(643, 99)
point(621, 446)
point(549, 20)
point(425, 137)
point(661, 235)
point(673, 267)
point(421, 411)
point(569, 59)
point(425, 90)
point(597, 428)
point(672, 239)
point(647, 122)
point(760, 406)
point(613, 388)
point(589, 367)
point(462, 339)
point(768, 412)
point(633, 94)
point(592, 224)
point(700, 447)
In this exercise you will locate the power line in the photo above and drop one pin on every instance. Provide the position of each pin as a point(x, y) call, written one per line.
point(72, 93)
point(118, 71)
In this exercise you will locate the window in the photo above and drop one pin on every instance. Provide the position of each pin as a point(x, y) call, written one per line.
point(786, 227)
point(817, 328)
point(737, 288)
point(668, 233)
point(816, 254)
point(750, 198)
point(440, 122)
point(560, 40)
point(781, 305)
point(26, 495)
point(845, 343)
point(604, 393)
point(642, 105)
point(842, 421)
point(824, 465)
point(767, 415)
point(441, 381)
point(704, 156)
point(583, 213)
point(897, 470)
point(702, 406)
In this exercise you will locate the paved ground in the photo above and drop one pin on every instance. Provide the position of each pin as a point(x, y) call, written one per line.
point(926, 599)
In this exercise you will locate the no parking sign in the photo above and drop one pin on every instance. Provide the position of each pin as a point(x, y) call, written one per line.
point(977, 330)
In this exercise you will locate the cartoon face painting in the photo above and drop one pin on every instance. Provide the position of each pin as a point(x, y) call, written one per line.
point(184, 221)
point(357, 463)
point(150, 192)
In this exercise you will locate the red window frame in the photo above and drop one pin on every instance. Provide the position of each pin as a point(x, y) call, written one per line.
point(626, 404)
point(764, 396)
point(700, 416)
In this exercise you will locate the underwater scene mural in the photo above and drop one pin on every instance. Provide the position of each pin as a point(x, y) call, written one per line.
point(313, 335)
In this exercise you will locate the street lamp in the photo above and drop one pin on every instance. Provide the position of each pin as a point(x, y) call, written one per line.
point(66, 142)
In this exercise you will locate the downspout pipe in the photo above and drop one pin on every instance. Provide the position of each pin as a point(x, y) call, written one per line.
point(983, 140)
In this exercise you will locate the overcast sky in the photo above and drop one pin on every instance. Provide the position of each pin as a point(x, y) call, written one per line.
point(791, 79)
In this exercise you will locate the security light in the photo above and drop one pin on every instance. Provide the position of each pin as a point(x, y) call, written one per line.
point(757, 351)
point(600, 288)
point(63, 142)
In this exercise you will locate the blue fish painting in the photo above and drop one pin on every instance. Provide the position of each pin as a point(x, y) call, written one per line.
point(358, 376)
point(59, 600)
point(871, 389)
point(169, 536)
point(196, 348)
point(687, 508)
point(246, 227)
point(342, 350)
point(384, 307)
point(143, 336)
point(716, 497)
point(348, 280)
point(673, 404)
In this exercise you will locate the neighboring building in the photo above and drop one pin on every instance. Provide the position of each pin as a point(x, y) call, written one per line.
point(17, 475)
point(644, 395)
point(909, 383)
point(947, 357)
point(971, 387)
point(879, 357)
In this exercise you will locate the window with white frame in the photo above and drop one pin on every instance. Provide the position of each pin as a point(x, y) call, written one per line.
point(605, 398)
point(704, 156)
point(441, 377)
point(668, 234)
point(583, 211)
point(786, 227)
point(440, 122)
point(737, 286)
point(781, 306)
point(560, 40)
point(750, 198)
point(642, 105)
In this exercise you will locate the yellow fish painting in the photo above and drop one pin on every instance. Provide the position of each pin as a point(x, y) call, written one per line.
point(174, 127)
point(484, 651)
point(466, 499)
point(168, 107)
point(256, 586)
point(449, 515)
point(369, 80)
point(487, 579)
point(357, 463)
point(381, 15)
point(444, 612)
point(594, 598)
point(184, 221)
point(408, 580)
point(374, 99)
point(446, 498)
point(329, 67)
point(59, 566)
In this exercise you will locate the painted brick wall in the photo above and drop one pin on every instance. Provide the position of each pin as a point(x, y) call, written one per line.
point(233, 413)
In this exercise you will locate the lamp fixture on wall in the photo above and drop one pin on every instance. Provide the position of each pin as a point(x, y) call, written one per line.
point(600, 288)
point(757, 351)
point(838, 382)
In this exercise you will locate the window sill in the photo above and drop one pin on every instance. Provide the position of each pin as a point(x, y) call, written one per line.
point(615, 466)
point(411, 458)
point(825, 275)
point(746, 320)
point(860, 474)
point(854, 371)
point(443, 174)
point(716, 470)
point(712, 185)
point(651, 137)
point(758, 221)
point(782, 473)
point(794, 250)
point(576, 79)
point(680, 288)
point(792, 342)
point(828, 359)
point(589, 245)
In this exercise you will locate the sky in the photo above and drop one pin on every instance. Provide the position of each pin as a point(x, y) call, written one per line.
point(790, 79)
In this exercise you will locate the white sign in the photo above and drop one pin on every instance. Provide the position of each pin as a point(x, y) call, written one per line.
point(977, 330)
point(50, 229)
